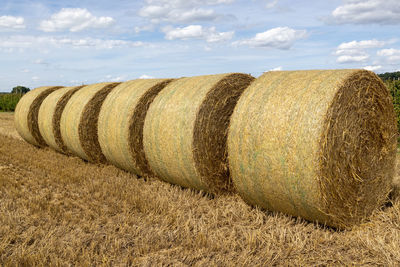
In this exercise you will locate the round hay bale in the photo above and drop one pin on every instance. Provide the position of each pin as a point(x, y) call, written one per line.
point(185, 130)
point(26, 114)
point(121, 120)
point(50, 114)
point(78, 124)
point(317, 144)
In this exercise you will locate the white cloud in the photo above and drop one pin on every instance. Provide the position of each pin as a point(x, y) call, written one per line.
point(111, 78)
point(197, 32)
point(373, 68)
point(352, 59)
point(180, 10)
point(144, 28)
point(388, 52)
point(35, 78)
point(367, 11)
point(355, 51)
point(391, 55)
point(144, 76)
point(27, 42)
point(11, 23)
point(280, 38)
point(74, 20)
point(361, 44)
point(277, 69)
point(271, 3)
point(41, 62)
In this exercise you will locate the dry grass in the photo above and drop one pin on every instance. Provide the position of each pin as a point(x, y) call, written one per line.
point(7, 126)
point(59, 210)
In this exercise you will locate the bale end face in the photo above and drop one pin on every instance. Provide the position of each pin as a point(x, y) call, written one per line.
point(185, 130)
point(27, 112)
point(211, 131)
point(88, 135)
point(317, 144)
point(358, 149)
point(136, 124)
point(57, 118)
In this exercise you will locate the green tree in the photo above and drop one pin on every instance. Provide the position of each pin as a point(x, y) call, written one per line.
point(387, 76)
point(20, 90)
point(9, 101)
point(394, 88)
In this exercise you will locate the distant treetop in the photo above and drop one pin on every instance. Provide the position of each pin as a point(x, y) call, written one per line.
point(20, 90)
point(390, 76)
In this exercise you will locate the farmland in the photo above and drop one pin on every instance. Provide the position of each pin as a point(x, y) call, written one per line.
point(58, 210)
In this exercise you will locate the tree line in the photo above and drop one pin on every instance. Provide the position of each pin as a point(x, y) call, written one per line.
point(8, 101)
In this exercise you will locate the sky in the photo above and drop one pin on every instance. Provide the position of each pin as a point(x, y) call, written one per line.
point(72, 42)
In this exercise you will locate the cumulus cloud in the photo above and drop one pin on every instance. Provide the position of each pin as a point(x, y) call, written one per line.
point(276, 69)
point(74, 20)
point(280, 38)
point(177, 11)
point(373, 68)
point(352, 58)
point(11, 23)
point(392, 55)
point(361, 44)
point(27, 42)
point(367, 11)
point(111, 78)
point(271, 3)
point(197, 32)
point(355, 51)
point(144, 76)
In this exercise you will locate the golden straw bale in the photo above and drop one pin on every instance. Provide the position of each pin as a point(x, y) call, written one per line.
point(185, 130)
point(26, 114)
point(121, 120)
point(50, 114)
point(318, 144)
point(78, 124)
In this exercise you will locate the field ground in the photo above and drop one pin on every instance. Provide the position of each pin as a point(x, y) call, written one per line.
point(59, 210)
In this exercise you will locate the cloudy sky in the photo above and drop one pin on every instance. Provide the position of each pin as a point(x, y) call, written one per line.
point(72, 42)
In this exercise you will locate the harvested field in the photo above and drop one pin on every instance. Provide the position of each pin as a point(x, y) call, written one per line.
point(56, 209)
point(7, 126)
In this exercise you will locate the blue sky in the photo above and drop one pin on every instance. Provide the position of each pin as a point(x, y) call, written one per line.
point(81, 42)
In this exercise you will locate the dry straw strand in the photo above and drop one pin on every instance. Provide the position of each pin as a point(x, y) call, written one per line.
point(50, 114)
point(317, 144)
point(78, 124)
point(26, 114)
point(185, 130)
point(121, 121)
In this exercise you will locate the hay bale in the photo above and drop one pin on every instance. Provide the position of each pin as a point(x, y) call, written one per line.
point(121, 120)
point(26, 114)
point(78, 124)
point(50, 114)
point(317, 144)
point(185, 130)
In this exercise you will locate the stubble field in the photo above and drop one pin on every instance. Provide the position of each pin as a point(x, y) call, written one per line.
point(60, 210)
